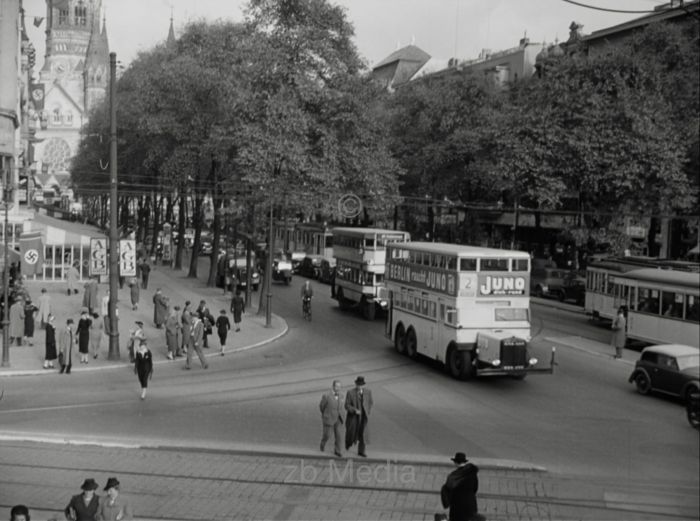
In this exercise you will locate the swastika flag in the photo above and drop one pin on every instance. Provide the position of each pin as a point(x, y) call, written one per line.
point(31, 250)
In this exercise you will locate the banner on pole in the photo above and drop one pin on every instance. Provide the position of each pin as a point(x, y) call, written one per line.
point(31, 249)
point(98, 256)
point(127, 258)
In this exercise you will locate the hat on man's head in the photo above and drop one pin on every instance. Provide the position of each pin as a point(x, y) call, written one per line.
point(360, 380)
point(111, 483)
point(138, 323)
point(89, 484)
point(83, 310)
point(459, 458)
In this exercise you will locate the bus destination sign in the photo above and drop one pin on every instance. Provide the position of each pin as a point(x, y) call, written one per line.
point(502, 285)
point(424, 278)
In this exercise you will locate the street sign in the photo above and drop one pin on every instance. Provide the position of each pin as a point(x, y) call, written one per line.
point(98, 256)
point(127, 258)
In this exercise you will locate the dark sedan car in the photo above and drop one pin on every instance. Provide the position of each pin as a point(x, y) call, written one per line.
point(310, 267)
point(671, 369)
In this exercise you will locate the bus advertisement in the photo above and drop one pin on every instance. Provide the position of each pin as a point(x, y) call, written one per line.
point(360, 255)
point(467, 307)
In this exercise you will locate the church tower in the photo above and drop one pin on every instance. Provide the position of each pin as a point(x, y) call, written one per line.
point(75, 77)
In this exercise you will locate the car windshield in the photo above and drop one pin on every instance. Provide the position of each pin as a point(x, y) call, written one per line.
point(688, 362)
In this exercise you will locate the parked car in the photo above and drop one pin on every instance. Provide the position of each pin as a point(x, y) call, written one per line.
point(672, 369)
point(310, 267)
point(692, 409)
point(558, 283)
point(327, 271)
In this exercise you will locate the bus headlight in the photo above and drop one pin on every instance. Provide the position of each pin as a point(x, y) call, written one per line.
point(533, 361)
point(495, 363)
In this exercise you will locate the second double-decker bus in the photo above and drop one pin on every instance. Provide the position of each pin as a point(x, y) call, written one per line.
point(360, 255)
point(467, 307)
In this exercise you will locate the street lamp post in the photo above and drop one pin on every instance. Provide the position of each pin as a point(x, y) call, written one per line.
point(5, 275)
point(113, 233)
point(268, 272)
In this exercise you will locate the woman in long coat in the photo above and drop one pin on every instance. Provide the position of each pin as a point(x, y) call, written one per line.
point(143, 366)
point(66, 347)
point(44, 307)
point(17, 321)
point(29, 310)
point(160, 308)
point(50, 349)
point(72, 276)
point(83, 332)
point(134, 293)
point(90, 299)
point(96, 329)
point(619, 338)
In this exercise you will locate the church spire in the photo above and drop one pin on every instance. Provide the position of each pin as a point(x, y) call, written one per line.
point(171, 32)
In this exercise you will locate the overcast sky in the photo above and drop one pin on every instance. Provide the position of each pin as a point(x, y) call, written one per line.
point(442, 28)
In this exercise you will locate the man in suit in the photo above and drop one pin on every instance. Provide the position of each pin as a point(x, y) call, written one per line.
point(358, 404)
point(332, 415)
point(195, 342)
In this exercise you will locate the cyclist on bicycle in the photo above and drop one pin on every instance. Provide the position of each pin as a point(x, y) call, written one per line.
point(307, 293)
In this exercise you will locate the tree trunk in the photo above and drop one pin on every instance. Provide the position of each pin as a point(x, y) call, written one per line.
point(197, 223)
point(181, 220)
point(158, 203)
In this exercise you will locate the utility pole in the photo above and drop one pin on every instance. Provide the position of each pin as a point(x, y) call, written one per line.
point(268, 270)
point(5, 275)
point(113, 232)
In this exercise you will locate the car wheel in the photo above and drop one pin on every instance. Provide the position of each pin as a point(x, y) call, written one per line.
point(342, 303)
point(561, 296)
point(400, 340)
point(411, 343)
point(459, 363)
point(642, 382)
point(538, 291)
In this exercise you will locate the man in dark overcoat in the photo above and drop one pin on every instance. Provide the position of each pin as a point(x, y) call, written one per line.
point(459, 491)
point(332, 417)
point(160, 308)
point(358, 404)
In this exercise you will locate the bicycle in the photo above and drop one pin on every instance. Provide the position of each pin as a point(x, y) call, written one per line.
point(306, 308)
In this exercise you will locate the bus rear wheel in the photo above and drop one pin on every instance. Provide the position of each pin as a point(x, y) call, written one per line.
point(411, 343)
point(369, 310)
point(342, 302)
point(400, 340)
point(459, 363)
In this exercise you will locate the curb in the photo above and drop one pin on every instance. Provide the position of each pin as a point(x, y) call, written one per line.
point(273, 452)
point(118, 364)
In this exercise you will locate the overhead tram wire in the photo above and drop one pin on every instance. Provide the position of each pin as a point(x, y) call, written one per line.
point(606, 9)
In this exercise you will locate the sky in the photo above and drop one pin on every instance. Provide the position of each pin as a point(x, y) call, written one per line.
point(442, 28)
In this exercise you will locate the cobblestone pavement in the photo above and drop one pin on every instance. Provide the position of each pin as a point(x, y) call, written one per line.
point(197, 484)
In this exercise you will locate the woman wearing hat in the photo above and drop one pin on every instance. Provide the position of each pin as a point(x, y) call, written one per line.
point(65, 356)
point(50, 348)
point(83, 332)
point(143, 366)
point(83, 507)
point(114, 506)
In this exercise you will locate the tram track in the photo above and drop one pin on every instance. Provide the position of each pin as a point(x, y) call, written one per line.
point(226, 487)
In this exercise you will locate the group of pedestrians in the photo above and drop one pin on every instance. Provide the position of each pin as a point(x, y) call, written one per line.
point(88, 505)
point(458, 494)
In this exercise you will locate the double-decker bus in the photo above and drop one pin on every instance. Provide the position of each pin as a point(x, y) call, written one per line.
point(604, 297)
point(360, 255)
point(467, 307)
point(662, 305)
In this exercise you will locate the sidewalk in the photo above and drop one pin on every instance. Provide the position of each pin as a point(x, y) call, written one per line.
point(28, 360)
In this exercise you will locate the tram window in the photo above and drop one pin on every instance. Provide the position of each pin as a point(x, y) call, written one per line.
point(369, 242)
point(329, 241)
point(451, 314)
point(692, 310)
point(432, 311)
point(427, 259)
point(451, 263)
point(467, 264)
point(494, 264)
point(649, 301)
point(511, 314)
point(520, 264)
point(670, 304)
point(378, 278)
point(442, 311)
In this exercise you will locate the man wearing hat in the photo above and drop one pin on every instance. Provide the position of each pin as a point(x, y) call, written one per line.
point(83, 507)
point(19, 513)
point(358, 404)
point(459, 491)
point(114, 506)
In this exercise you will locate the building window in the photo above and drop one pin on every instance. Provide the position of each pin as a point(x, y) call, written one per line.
point(63, 16)
point(68, 118)
point(56, 116)
point(80, 14)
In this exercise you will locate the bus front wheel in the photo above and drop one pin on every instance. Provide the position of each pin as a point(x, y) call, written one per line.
point(411, 343)
point(400, 339)
point(342, 303)
point(459, 363)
